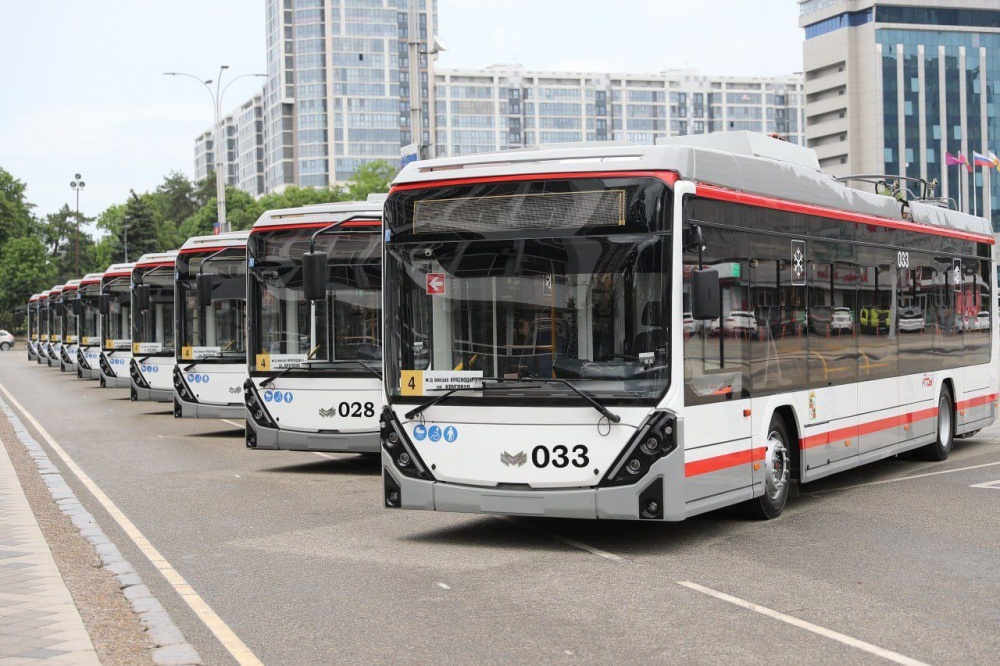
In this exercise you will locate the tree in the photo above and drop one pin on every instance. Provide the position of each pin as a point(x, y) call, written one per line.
point(140, 223)
point(370, 178)
point(24, 270)
point(177, 197)
point(16, 219)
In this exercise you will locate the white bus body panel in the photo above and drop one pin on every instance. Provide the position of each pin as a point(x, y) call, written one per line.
point(218, 387)
point(311, 420)
point(157, 371)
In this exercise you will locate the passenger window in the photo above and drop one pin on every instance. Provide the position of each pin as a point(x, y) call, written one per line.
point(716, 352)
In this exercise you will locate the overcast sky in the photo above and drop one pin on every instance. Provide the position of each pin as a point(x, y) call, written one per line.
point(82, 88)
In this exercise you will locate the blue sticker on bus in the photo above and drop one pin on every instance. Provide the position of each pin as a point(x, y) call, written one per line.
point(434, 433)
point(450, 434)
point(278, 396)
point(419, 432)
point(288, 396)
point(268, 396)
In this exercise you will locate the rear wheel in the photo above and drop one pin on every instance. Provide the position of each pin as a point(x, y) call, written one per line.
point(941, 447)
point(777, 473)
point(4, 346)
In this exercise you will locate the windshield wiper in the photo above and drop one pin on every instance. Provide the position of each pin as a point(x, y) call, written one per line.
point(207, 358)
point(605, 412)
point(310, 364)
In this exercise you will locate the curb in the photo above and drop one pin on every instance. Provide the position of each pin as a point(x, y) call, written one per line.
point(171, 647)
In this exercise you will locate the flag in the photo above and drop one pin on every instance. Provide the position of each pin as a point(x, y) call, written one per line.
point(962, 160)
point(951, 160)
point(995, 160)
point(979, 159)
point(216, 229)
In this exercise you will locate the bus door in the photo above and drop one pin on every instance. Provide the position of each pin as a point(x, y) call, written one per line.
point(717, 436)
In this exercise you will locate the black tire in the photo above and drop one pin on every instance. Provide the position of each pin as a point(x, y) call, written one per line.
point(945, 439)
point(4, 346)
point(777, 474)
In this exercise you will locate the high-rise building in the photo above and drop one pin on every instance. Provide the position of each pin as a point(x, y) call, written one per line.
point(892, 86)
point(337, 93)
point(504, 107)
point(241, 137)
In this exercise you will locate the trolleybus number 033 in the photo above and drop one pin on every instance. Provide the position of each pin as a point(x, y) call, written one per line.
point(559, 456)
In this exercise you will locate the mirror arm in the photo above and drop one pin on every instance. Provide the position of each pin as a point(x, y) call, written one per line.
point(331, 227)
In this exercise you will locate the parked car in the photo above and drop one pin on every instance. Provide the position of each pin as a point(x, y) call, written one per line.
point(874, 320)
point(911, 320)
point(690, 324)
point(980, 322)
point(842, 321)
point(6, 340)
point(736, 322)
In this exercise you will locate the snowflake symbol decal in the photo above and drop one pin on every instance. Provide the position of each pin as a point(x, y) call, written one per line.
point(798, 261)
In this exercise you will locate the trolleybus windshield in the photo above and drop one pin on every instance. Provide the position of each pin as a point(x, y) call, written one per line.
point(216, 332)
point(90, 322)
point(551, 280)
point(117, 335)
point(153, 327)
point(330, 335)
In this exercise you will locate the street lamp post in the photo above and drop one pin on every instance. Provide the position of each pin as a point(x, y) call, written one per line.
point(216, 95)
point(77, 184)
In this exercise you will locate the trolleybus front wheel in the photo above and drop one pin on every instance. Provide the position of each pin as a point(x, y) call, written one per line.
point(777, 465)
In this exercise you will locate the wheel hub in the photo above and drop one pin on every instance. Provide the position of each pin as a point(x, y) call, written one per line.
point(776, 465)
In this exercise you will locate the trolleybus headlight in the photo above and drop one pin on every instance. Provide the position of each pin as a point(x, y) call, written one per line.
point(654, 440)
point(393, 494)
point(393, 439)
point(403, 459)
point(394, 442)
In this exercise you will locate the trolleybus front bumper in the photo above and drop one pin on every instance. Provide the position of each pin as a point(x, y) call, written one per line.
point(663, 484)
point(116, 382)
point(151, 394)
point(89, 373)
point(261, 437)
point(200, 410)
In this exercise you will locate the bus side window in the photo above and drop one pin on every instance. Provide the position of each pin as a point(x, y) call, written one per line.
point(716, 356)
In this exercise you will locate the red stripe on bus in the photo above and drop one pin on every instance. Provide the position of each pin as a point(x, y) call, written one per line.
point(162, 264)
point(868, 428)
point(723, 194)
point(353, 224)
point(722, 462)
point(670, 177)
point(977, 402)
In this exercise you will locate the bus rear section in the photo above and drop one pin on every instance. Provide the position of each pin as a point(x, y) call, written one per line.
point(669, 338)
point(115, 306)
point(33, 327)
point(44, 325)
point(88, 303)
point(210, 356)
point(153, 327)
point(70, 339)
point(315, 358)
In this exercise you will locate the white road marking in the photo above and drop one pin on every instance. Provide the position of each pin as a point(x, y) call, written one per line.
point(808, 626)
point(569, 542)
point(920, 476)
point(443, 586)
point(237, 648)
point(989, 484)
point(233, 423)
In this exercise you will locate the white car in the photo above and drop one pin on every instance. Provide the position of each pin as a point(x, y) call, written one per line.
point(6, 340)
point(981, 322)
point(737, 322)
point(842, 320)
point(690, 324)
point(911, 320)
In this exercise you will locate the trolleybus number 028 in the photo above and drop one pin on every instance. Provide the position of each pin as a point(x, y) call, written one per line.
point(559, 456)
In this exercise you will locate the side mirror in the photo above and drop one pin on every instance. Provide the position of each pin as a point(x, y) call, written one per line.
point(314, 274)
point(104, 304)
point(204, 282)
point(78, 308)
point(706, 296)
point(142, 297)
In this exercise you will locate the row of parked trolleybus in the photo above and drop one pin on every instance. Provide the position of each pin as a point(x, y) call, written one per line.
point(514, 333)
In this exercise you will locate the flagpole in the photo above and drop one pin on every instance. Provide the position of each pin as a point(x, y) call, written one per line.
point(975, 199)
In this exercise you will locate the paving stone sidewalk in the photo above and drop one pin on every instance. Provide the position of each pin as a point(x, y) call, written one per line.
point(39, 622)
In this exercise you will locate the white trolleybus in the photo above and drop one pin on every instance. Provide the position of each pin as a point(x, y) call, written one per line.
point(70, 338)
point(316, 356)
point(635, 332)
point(54, 347)
point(211, 357)
point(33, 327)
point(44, 324)
point(153, 327)
point(115, 306)
point(87, 306)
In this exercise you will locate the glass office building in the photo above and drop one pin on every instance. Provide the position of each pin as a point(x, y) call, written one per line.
point(899, 85)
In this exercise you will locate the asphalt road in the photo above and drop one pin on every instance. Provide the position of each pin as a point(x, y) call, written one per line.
point(295, 553)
